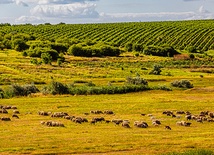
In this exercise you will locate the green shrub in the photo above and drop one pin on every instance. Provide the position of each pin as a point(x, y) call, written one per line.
point(182, 84)
point(46, 58)
point(19, 45)
point(1, 93)
point(128, 47)
point(55, 88)
point(164, 51)
point(136, 81)
point(156, 69)
point(18, 90)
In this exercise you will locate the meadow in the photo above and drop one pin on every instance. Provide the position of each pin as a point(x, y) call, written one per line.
point(27, 135)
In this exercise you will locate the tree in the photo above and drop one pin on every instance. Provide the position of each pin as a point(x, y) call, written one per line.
point(156, 69)
point(19, 45)
point(46, 58)
point(128, 47)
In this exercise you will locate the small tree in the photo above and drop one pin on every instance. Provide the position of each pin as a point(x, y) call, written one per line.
point(156, 69)
point(128, 47)
point(46, 58)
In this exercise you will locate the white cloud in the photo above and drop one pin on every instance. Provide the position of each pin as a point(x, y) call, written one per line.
point(26, 2)
point(18, 2)
point(161, 16)
point(75, 10)
point(29, 19)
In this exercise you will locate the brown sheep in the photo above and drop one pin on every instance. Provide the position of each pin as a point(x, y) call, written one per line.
point(13, 107)
point(15, 116)
point(16, 112)
point(125, 125)
point(5, 119)
point(140, 124)
point(109, 112)
point(168, 127)
point(43, 113)
point(3, 111)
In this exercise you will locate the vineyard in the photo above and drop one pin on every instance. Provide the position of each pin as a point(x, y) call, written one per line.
point(179, 35)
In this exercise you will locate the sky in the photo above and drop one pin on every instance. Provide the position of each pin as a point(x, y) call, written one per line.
point(103, 11)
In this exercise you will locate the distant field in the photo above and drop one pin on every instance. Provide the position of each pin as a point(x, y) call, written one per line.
point(178, 34)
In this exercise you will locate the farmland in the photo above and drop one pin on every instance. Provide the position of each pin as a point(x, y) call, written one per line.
point(27, 135)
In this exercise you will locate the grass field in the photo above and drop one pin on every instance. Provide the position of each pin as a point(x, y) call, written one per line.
point(27, 136)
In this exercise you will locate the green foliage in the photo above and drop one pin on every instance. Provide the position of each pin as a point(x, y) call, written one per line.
point(19, 45)
point(96, 51)
point(1, 93)
point(18, 90)
point(156, 69)
point(55, 88)
point(128, 47)
point(60, 47)
point(165, 51)
point(138, 47)
point(182, 84)
point(35, 62)
point(136, 81)
point(191, 49)
point(46, 58)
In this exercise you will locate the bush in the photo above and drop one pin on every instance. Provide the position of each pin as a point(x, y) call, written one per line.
point(128, 47)
point(182, 84)
point(46, 58)
point(97, 51)
point(136, 81)
point(165, 51)
point(156, 69)
point(55, 88)
point(17, 90)
point(1, 93)
point(19, 45)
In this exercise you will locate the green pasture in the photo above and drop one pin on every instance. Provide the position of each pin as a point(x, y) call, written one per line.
point(27, 136)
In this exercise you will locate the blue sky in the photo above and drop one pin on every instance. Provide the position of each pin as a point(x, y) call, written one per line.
point(96, 11)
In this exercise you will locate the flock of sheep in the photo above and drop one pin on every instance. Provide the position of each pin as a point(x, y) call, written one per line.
point(201, 117)
point(5, 109)
point(98, 117)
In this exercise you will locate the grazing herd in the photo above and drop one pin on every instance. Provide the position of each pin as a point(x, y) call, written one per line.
point(98, 116)
point(4, 110)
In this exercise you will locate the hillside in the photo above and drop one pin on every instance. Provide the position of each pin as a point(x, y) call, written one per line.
point(178, 34)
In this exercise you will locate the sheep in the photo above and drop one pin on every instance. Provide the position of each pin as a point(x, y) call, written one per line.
point(96, 112)
point(188, 117)
point(59, 114)
point(109, 112)
point(3, 111)
point(180, 112)
point(5, 119)
point(43, 113)
point(117, 121)
point(68, 117)
point(125, 124)
point(140, 124)
point(15, 116)
point(13, 107)
point(16, 112)
point(52, 124)
point(98, 119)
point(168, 128)
point(211, 114)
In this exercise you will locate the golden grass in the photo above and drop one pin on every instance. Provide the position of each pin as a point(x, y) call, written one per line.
point(27, 135)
